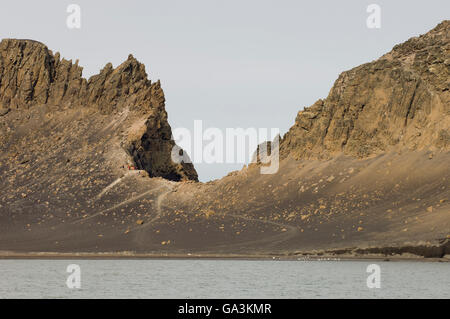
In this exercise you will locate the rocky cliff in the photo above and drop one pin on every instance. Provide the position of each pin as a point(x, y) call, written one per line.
point(31, 76)
point(401, 100)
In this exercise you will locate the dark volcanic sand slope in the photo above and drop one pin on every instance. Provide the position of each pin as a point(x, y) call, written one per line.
point(367, 167)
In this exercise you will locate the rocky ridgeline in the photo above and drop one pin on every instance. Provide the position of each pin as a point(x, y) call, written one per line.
point(31, 75)
point(401, 99)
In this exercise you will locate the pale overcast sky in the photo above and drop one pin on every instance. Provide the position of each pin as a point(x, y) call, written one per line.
point(229, 63)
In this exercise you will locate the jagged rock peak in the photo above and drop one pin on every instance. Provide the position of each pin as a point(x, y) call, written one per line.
point(30, 74)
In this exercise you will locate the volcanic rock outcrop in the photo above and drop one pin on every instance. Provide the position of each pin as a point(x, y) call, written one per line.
point(31, 76)
point(402, 100)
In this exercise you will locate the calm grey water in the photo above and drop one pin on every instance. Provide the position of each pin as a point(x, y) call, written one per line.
point(222, 279)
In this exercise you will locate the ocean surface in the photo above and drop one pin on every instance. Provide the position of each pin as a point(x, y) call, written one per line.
point(221, 279)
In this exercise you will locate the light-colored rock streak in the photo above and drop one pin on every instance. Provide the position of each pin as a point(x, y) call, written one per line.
point(117, 181)
point(119, 204)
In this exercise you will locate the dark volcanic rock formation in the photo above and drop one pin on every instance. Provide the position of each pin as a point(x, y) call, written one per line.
point(31, 76)
point(402, 100)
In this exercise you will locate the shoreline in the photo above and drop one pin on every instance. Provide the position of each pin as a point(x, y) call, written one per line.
point(9, 255)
